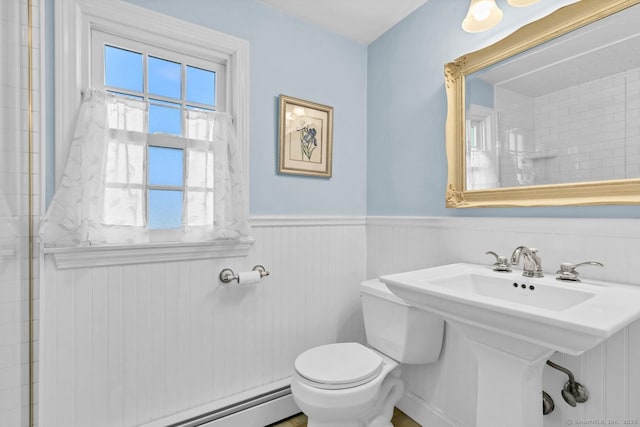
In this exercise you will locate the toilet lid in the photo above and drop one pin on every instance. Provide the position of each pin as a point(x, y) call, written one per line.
point(339, 365)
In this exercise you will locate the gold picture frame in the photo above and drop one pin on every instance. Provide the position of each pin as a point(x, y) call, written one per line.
point(305, 137)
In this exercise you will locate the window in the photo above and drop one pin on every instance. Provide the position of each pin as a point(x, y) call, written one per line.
point(171, 83)
point(182, 72)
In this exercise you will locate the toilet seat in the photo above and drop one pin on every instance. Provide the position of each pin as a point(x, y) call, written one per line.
point(338, 366)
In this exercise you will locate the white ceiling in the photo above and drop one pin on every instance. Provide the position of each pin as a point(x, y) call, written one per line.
point(360, 20)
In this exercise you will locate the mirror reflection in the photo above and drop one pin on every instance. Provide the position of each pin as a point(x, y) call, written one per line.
point(567, 111)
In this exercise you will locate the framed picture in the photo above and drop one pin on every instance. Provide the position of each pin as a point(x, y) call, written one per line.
point(305, 137)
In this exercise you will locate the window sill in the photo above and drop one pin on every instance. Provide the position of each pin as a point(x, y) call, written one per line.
point(105, 255)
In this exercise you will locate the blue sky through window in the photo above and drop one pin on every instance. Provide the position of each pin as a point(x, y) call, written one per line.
point(165, 209)
point(201, 86)
point(164, 77)
point(166, 118)
point(165, 166)
point(123, 69)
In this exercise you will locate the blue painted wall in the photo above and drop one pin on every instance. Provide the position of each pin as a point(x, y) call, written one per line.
point(289, 56)
point(407, 171)
point(389, 103)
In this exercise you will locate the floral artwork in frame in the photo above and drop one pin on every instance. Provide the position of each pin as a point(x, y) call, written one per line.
point(305, 137)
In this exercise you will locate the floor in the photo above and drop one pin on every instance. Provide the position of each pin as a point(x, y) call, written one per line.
point(400, 419)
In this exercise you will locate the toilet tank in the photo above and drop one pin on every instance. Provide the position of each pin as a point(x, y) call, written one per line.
point(395, 328)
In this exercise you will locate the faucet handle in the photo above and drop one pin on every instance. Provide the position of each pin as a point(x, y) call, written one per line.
point(568, 270)
point(502, 262)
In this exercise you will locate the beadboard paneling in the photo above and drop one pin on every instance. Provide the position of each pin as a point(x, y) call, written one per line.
point(128, 344)
point(443, 394)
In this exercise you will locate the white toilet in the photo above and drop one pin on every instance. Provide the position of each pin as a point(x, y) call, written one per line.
point(350, 385)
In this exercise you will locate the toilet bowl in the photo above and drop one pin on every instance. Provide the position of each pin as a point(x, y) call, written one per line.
point(352, 385)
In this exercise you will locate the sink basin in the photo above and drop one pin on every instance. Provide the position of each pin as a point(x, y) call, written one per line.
point(514, 323)
point(571, 317)
point(510, 290)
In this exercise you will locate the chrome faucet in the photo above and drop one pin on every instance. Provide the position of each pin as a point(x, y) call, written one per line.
point(569, 273)
point(532, 265)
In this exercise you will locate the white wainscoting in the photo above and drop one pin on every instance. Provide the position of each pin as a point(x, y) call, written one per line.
point(127, 344)
point(443, 394)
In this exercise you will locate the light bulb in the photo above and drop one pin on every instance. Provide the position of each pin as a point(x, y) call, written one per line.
point(482, 11)
point(482, 15)
point(521, 3)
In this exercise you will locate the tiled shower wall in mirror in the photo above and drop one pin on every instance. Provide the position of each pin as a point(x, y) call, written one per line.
point(585, 132)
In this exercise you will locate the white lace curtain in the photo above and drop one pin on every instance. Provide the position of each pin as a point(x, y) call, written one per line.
point(102, 196)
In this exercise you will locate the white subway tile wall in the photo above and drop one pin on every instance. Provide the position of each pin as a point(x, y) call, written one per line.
point(14, 207)
point(587, 132)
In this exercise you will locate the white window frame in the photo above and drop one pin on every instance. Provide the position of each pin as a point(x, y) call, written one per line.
point(74, 22)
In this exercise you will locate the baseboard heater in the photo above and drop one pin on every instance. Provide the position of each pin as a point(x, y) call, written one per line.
point(229, 410)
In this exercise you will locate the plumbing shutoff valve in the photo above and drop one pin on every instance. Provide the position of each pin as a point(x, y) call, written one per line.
point(573, 392)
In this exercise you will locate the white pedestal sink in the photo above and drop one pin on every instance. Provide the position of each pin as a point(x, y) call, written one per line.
point(514, 324)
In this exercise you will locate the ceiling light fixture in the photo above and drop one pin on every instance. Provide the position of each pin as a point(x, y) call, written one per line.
point(521, 3)
point(483, 14)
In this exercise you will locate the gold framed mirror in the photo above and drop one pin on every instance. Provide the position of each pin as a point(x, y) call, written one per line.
point(506, 144)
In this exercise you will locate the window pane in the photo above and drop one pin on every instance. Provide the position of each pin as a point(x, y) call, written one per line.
point(165, 166)
point(122, 68)
point(124, 163)
point(199, 208)
point(123, 206)
point(165, 118)
point(164, 77)
point(200, 167)
point(201, 86)
point(165, 209)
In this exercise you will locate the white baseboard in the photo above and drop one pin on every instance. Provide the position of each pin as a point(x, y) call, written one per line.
point(261, 415)
point(423, 413)
point(277, 404)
